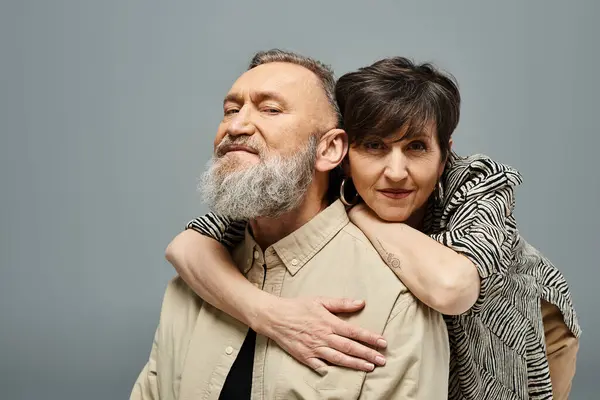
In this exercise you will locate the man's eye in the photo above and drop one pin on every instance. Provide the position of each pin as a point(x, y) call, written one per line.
point(270, 110)
point(231, 111)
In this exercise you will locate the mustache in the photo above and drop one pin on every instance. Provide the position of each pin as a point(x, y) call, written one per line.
point(244, 142)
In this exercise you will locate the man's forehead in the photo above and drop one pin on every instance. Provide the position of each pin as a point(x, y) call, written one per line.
point(276, 77)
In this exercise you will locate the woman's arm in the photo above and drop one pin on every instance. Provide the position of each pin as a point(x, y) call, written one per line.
point(456, 269)
point(305, 327)
point(437, 275)
point(206, 266)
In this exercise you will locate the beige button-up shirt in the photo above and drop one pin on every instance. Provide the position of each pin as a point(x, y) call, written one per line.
point(195, 344)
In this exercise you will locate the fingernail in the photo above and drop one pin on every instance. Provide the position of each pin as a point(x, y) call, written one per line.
point(369, 367)
point(380, 360)
point(381, 343)
point(357, 303)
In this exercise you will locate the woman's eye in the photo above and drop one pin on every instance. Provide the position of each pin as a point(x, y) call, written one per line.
point(419, 146)
point(374, 145)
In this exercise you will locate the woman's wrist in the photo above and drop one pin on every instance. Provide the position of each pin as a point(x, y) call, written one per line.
point(258, 312)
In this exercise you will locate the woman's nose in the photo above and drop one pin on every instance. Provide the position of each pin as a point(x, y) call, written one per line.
point(396, 168)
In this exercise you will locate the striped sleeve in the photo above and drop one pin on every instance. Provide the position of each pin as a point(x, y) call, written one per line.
point(481, 225)
point(223, 229)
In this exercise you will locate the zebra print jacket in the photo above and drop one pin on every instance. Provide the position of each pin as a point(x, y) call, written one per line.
point(498, 348)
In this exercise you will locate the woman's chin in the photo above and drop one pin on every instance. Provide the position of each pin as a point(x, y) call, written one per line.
point(391, 214)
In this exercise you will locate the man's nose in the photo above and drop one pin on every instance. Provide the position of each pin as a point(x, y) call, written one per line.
point(241, 124)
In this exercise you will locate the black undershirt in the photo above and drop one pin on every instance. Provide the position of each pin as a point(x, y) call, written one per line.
point(238, 384)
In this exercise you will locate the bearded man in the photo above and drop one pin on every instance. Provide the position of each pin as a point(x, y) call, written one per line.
point(275, 147)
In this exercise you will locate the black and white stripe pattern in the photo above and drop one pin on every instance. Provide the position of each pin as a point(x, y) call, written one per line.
point(220, 228)
point(497, 348)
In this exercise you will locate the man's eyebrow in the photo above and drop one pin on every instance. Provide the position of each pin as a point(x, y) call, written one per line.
point(257, 97)
point(232, 98)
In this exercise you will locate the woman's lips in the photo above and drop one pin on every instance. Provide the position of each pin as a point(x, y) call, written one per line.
point(395, 193)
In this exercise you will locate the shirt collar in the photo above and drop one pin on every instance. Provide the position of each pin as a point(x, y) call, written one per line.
point(297, 248)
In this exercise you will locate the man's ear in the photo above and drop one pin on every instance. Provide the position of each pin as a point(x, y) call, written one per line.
point(331, 150)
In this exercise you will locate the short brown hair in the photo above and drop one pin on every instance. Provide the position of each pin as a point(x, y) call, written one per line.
point(395, 93)
point(323, 72)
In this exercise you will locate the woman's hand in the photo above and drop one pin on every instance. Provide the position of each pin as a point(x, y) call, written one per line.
point(307, 330)
point(362, 215)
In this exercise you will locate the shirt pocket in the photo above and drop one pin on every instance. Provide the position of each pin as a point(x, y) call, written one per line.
point(336, 382)
point(297, 381)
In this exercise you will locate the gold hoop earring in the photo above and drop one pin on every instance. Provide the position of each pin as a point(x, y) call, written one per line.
point(343, 197)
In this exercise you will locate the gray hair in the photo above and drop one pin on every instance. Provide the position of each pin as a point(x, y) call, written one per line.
point(323, 72)
point(278, 184)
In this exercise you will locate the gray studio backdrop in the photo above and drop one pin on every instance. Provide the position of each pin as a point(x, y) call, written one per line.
point(108, 111)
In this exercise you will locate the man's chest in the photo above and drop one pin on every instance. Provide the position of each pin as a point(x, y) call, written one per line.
point(216, 343)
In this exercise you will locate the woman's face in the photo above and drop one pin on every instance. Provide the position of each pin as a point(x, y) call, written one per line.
point(396, 176)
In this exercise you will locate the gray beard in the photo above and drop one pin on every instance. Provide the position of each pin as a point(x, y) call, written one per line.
point(270, 189)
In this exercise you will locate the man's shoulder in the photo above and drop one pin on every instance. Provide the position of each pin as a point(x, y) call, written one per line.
point(356, 234)
point(177, 287)
point(179, 298)
point(367, 276)
point(358, 254)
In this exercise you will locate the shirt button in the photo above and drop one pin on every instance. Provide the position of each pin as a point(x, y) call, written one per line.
point(294, 262)
point(256, 254)
point(229, 350)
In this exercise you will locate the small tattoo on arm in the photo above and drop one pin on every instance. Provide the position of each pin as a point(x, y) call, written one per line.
point(390, 258)
point(393, 261)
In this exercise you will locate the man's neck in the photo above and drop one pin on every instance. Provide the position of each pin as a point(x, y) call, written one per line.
point(267, 231)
